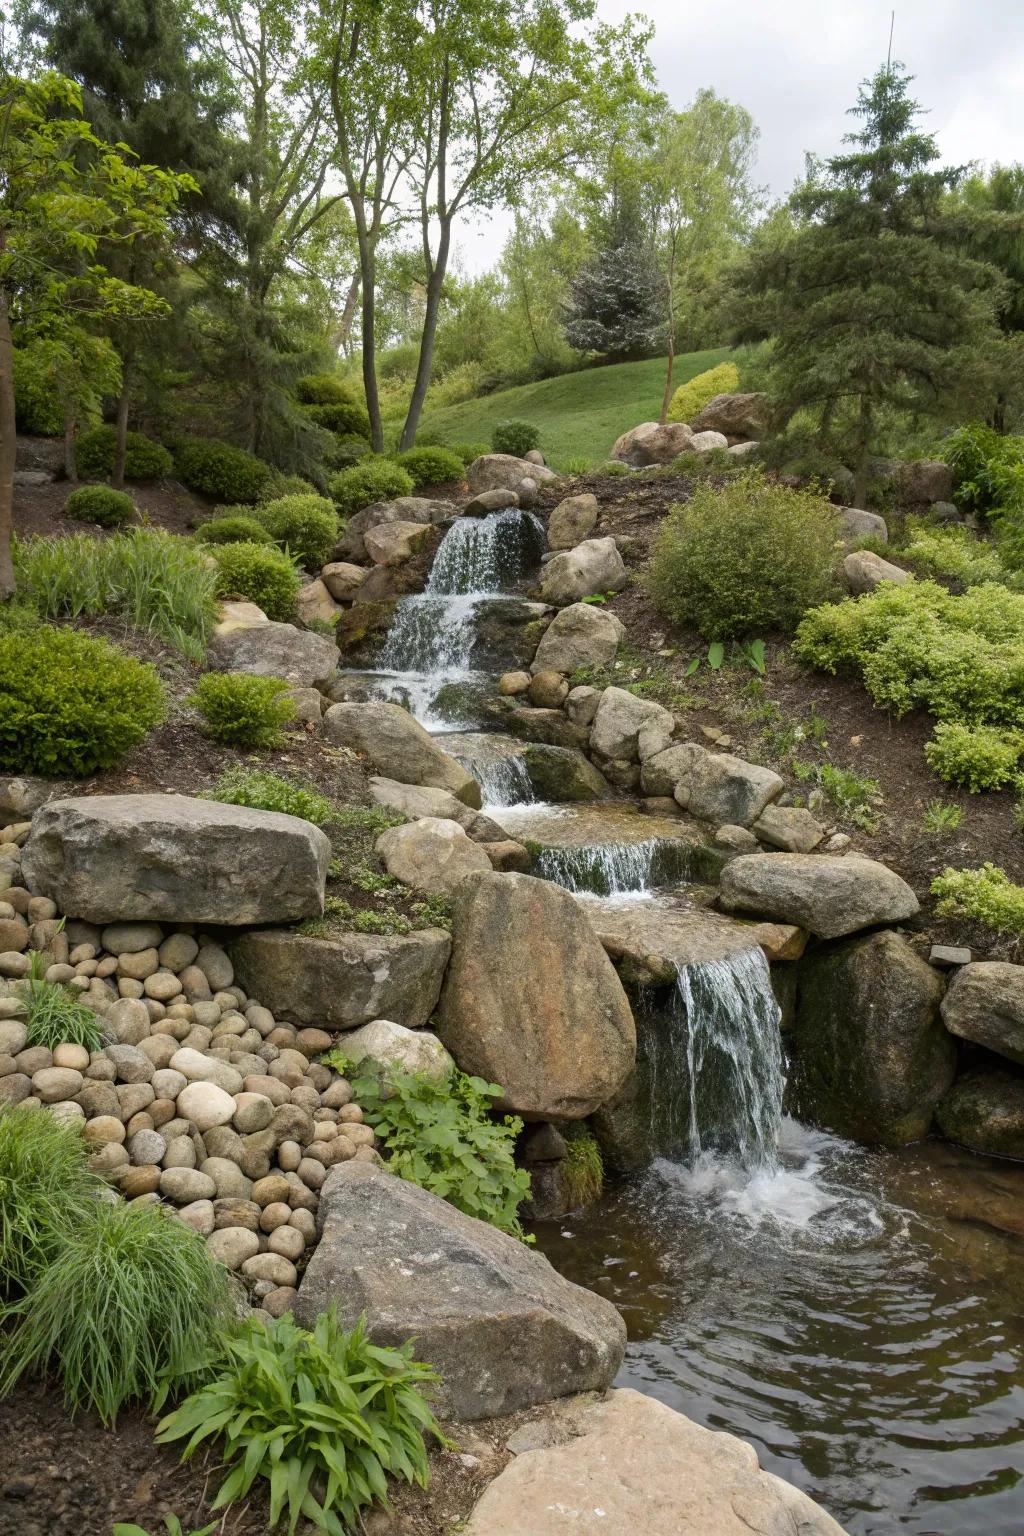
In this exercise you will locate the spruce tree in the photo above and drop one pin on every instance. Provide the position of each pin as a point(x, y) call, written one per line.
point(617, 304)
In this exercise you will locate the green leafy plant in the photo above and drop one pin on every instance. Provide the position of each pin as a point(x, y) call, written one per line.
point(260, 574)
point(323, 389)
point(977, 756)
point(54, 1016)
point(70, 703)
point(270, 792)
point(99, 504)
point(691, 398)
point(940, 818)
point(172, 1525)
point(431, 466)
point(220, 471)
point(986, 895)
point(368, 818)
point(345, 417)
point(243, 710)
point(371, 480)
point(44, 1181)
point(515, 437)
point(233, 529)
point(582, 1169)
point(307, 525)
point(323, 1418)
point(144, 458)
point(953, 553)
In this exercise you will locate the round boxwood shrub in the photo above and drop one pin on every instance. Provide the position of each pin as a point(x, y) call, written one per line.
point(344, 416)
point(70, 703)
point(345, 450)
point(373, 480)
point(100, 504)
point(233, 529)
point(431, 466)
point(260, 574)
point(691, 398)
point(144, 459)
point(323, 389)
point(515, 437)
point(221, 471)
point(743, 559)
point(307, 525)
point(280, 484)
point(243, 710)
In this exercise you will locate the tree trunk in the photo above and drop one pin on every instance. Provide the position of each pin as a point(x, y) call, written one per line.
point(8, 448)
point(70, 467)
point(343, 331)
point(121, 431)
point(431, 314)
point(666, 399)
point(368, 272)
point(861, 475)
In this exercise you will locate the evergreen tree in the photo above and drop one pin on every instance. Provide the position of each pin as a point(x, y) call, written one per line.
point(616, 305)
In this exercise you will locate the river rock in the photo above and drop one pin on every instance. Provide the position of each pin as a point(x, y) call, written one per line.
point(855, 523)
point(984, 1111)
point(496, 500)
point(863, 571)
point(430, 854)
point(830, 897)
point(638, 1466)
point(206, 1105)
point(564, 774)
point(985, 1003)
point(502, 1327)
point(573, 520)
point(107, 857)
point(653, 443)
point(871, 1057)
point(392, 1045)
point(531, 1001)
point(399, 748)
point(708, 442)
point(579, 636)
point(593, 566)
point(789, 827)
point(275, 650)
point(735, 415)
point(342, 982)
point(503, 471)
point(619, 721)
point(419, 800)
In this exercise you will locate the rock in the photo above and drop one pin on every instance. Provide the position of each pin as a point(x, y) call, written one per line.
point(231, 1246)
point(270, 1266)
point(496, 500)
point(399, 748)
point(342, 579)
point(830, 897)
point(131, 938)
point(721, 788)
point(511, 683)
point(199, 1067)
point(501, 1326)
point(315, 604)
point(563, 773)
point(708, 442)
point(652, 443)
point(593, 566)
point(573, 520)
point(430, 854)
point(580, 635)
point(649, 941)
point(546, 725)
point(854, 524)
point(52, 1084)
point(346, 981)
point(21, 797)
point(393, 543)
point(419, 800)
point(984, 1111)
point(985, 1004)
point(581, 704)
point(947, 955)
point(735, 415)
point(531, 1001)
point(503, 471)
point(871, 1058)
point(922, 481)
point(744, 450)
point(863, 571)
point(619, 720)
point(392, 1045)
point(183, 1185)
point(275, 650)
point(548, 689)
point(788, 827)
point(205, 1105)
point(237, 615)
point(640, 1466)
point(106, 857)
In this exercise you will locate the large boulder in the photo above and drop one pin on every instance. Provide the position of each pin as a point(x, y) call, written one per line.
point(431, 855)
point(172, 858)
point(638, 1466)
point(579, 636)
point(392, 543)
point(918, 481)
point(573, 520)
point(405, 509)
point(418, 800)
point(504, 472)
point(855, 523)
point(393, 1045)
point(871, 1058)
point(343, 982)
point(985, 1004)
point(742, 416)
point(593, 566)
point(650, 941)
point(623, 723)
point(984, 1111)
point(342, 579)
point(726, 790)
point(531, 1000)
point(563, 774)
point(863, 571)
point(502, 1327)
point(830, 897)
point(653, 443)
point(274, 650)
point(399, 748)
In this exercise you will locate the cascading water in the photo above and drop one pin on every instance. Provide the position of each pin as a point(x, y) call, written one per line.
point(503, 780)
point(603, 869)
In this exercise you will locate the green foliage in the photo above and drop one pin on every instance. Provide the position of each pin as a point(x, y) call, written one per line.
point(323, 389)
point(270, 792)
point(345, 417)
point(691, 398)
point(851, 792)
point(323, 1418)
point(259, 574)
point(234, 529)
point(99, 504)
point(954, 553)
point(467, 452)
point(442, 1136)
point(71, 704)
point(37, 403)
point(372, 480)
point(306, 525)
point(939, 818)
point(172, 1527)
point(988, 477)
point(744, 559)
point(976, 756)
point(243, 710)
point(431, 466)
point(131, 1300)
point(345, 451)
point(279, 485)
point(220, 471)
point(144, 459)
point(44, 1181)
point(54, 1015)
point(368, 818)
point(155, 580)
point(582, 1169)
point(985, 895)
point(515, 437)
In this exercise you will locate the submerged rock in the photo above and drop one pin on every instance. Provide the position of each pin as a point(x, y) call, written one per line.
point(830, 897)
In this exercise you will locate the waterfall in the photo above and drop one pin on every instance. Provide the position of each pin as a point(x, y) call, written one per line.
point(614, 869)
point(487, 554)
point(503, 779)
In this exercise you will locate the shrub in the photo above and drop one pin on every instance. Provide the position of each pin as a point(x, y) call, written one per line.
point(342, 416)
point(308, 525)
point(37, 407)
point(44, 1180)
point(515, 437)
point(986, 895)
point(100, 504)
point(691, 398)
point(242, 709)
point(220, 471)
point(323, 389)
point(431, 466)
point(467, 452)
point(269, 792)
point(743, 559)
point(954, 553)
point(978, 757)
point(235, 529)
point(71, 704)
point(145, 459)
point(261, 575)
point(279, 485)
point(131, 1301)
point(346, 451)
point(324, 1418)
point(373, 480)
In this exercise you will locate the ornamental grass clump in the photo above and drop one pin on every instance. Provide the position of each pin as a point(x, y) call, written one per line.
point(54, 1015)
point(44, 1183)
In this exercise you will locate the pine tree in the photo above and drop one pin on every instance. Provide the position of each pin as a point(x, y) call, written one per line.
point(617, 304)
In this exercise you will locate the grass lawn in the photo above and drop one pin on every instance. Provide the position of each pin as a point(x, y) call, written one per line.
point(579, 414)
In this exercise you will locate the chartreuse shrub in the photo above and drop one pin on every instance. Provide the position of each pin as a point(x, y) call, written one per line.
point(373, 479)
point(220, 470)
point(976, 756)
point(144, 459)
point(243, 710)
point(234, 528)
point(743, 559)
point(99, 504)
point(515, 437)
point(130, 1304)
point(306, 525)
point(691, 398)
point(954, 553)
point(431, 466)
point(71, 704)
point(44, 1181)
point(986, 895)
point(270, 792)
point(260, 574)
point(322, 1418)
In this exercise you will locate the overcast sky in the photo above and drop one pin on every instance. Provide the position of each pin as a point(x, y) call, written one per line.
point(795, 66)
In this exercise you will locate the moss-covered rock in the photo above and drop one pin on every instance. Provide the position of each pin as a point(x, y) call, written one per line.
point(984, 1110)
point(563, 773)
point(360, 630)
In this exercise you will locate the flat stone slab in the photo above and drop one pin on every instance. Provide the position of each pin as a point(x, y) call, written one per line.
point(650, 940)
point(830, 897)
point(269, 649)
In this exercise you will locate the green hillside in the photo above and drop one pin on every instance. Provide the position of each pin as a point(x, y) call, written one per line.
point(579, 414)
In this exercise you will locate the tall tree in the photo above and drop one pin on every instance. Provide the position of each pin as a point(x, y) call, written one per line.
point(993, 230)
point(617, 304)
